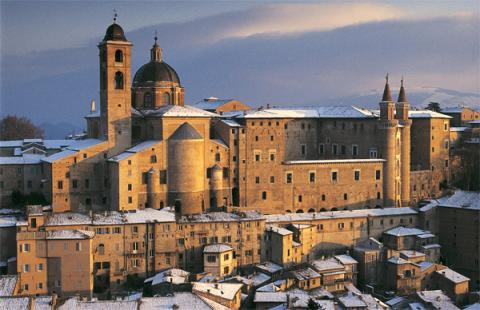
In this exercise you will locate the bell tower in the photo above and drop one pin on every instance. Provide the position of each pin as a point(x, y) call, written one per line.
point(115, 93)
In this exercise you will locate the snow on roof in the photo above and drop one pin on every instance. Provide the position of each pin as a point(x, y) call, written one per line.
point(8, 221)
point(305, 274)
point(173, 275)
point(143, 145)
point(464, 200)
point(211, 103)
point(475, 306)
point(437, 299)
point(110, 218)
point(272, 287)
point(43, 303)
point(311, 112)
point(69, 234)
point(431, 246)
point(411, 253)
point(334, 161)
point(93, 114)
point(78, 145)
point(426, 114)
point(395, 300)
point(294, 217)
point(258, 279)
point(231, 123)
point(424, 265)
point(325, 265)
point(416, 306)
point(217, 248)
point(427, 235)
point(352, 301)
point(346, 259)
point(223, 290)
point(221, 217)
point(325, 304)
point(215, 305)
point(75, 303)
point(14, 302)
point(175, 111)
point(25, 159)
point(369, 244)
point(269, 267)
point(7, 285)
point(57, 156)
point(270, 297)
point(279, 230)
point(398, 260)
point(477, 121)
point(457, 129)
point(405, 231)
point(453, 275)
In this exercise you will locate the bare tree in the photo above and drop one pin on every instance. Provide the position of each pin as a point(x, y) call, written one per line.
point(17, 128)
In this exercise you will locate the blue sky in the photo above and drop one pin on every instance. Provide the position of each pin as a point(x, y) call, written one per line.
point(283, 53)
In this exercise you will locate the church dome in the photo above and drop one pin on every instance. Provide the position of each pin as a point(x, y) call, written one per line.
point(155, 71)
point(114, 33)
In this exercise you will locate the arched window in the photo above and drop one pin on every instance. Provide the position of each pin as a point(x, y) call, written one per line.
point(166, 98)
point(147, 100)
point(299, 211)
point(334, 209)
point(178, 206)
point(323, 210)
point(119, 80)
point(311, 210)
point(118, 56)
point(101, 249)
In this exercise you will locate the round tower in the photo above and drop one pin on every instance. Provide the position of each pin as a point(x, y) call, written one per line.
point(216, 187)
point(186, 170)
point(402, 107)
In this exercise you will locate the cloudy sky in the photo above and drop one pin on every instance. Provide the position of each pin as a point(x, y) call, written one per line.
point(281, 53)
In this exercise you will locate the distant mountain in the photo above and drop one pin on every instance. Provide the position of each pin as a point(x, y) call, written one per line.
point(60, 130)
point(418, 98)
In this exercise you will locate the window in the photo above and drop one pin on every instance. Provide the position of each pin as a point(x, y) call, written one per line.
point(130, 199)
point(163, 176)
point(147, 100)
point(334, 149)
point(264, 195)
point(166, 98)
point(40, 267)
point(373, 153)
point(357, 175)
point(33, 223)
point(226, 270)
point(226, 257)
point(60, 184)
point(341, 225)
point(135, 247)
point(26, 247)
point(445, 126)
point(300, 198)
point(377, 174)
point(272, 179)
point(303, 149)
point(129, 187)
point(118, 56)
point(117, 230)
point(321, 149)
point(101, 249)
point(74, 183)
point(323, 197)
point(257, 180)
point(355, 150)
point(256, 138)
point(343, 149)
point(153, 159)
point(135, 263)
point(211, 258)
point(26, 268)
point(217, 156)
point(289, 178)
point(334, 176)
point(118, 80)
point(257, 157)
point(433, 150)
point(78, 246)
point(345, 196)
point(87, 183)
point(446, 143)
point(312, 177)
point(272, 156)
point(25, 287)
point(446, 163)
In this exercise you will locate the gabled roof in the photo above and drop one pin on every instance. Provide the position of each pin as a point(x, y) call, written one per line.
point(311, 112)
point(217, 248)
point(223, 290)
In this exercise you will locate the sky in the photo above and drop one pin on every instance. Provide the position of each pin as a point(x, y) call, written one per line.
point(281, 53)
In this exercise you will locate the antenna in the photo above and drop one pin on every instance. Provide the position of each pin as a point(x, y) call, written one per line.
point(114, 15)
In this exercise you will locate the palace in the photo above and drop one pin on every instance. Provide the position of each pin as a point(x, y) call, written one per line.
point(215, 186)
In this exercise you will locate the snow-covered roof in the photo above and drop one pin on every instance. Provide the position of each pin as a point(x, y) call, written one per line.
point(173, 275)
point(395, 300)
point(296, 217)
point(57, 156)
point(405, 231)
point(426, 114)
point(8, 221)
point(211, 103)
point(411, 254)
point(43, 303)
point(346, 259)
point(255, 279)
point(475, 306)
point(231, 123)
point(334, 161)
point(369, 244)
point(425, 236)
point(305, 274)
point(272, 287)
point(458, 129)
point(217, 248)
point(175, 111)
point(453, 275)
point(311, 112)
point(398, 260)
point(78, 145)
point(270, 297)
point(7, 285)
point(223, 290)
point(325, 265)
point(424, 265)
point(352, 301)
point(431, 246)
point(75, 303)
point(25, 159)
point(464, 200)
point(69, 234)
point(221, 217)
point(437, 299)
point(14, 302)
point(269, 267)
point(279, 230)
point(110, 218)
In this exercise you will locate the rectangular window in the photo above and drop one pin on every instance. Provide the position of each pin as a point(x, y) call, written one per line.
point(343, 149)
point(144, 177)
point(117, 230)
point(78, 246)
point(135, 263)
point(289, 178)
point(257, 157)
point(60, 184)
point(26, 247)
point(153, 159)
point(272, 156)
point(135, 246)
point(355, 150)
point(372, 153)
point(163, 176)
point(334, 176)
point(257, 180)
point(129, 187)
point(74, 183)
point(272, 179)
point(264, 195)
point(321, 149)
point(312, 177)
point(211, 258)
point(300, 198)
point(446, 163)
point(130, 199)
point(303, 149)
point(26, 268)
point(357, 175)
point(334, 149)
point(378, 174)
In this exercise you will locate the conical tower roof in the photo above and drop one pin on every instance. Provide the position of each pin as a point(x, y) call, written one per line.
point(402, 97)
point(387, 95)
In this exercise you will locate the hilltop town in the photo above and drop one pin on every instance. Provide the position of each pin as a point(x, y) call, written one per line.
point(220, 205)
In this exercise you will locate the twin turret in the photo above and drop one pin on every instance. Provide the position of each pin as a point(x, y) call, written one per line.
point(389, 110)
